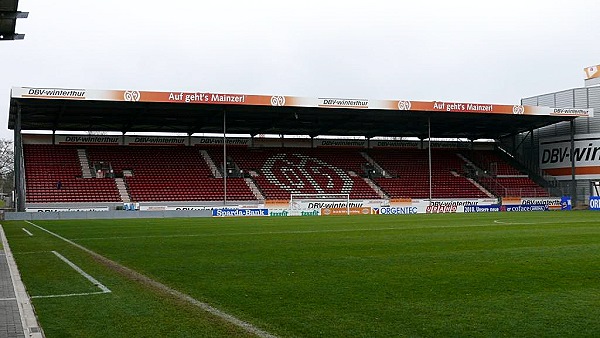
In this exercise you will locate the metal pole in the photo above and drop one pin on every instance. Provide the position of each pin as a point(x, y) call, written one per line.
point(573, 181)
point(429, 155)
point(19, 165)
point(224, 157)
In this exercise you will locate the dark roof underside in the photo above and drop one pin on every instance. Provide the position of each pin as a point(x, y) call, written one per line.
point(8, 19)
point(71, 115)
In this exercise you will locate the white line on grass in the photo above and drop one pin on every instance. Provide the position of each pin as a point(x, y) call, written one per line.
point(27, 232)
point(519, 223)
point(81, 272)
point(142, 278)
point(30, 252)
point(72, 294)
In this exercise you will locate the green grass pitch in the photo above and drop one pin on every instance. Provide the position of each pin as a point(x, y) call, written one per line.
point(452, 275)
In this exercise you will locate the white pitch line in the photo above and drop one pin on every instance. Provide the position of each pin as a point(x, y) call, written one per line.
point(72, 294)
point(27, 232)
point(140, 277)
point(83, 273)
point(518, 223)
point(30, 252)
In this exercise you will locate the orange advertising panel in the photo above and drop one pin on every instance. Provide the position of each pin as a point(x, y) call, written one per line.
point(591, 72)
point(344, 211)
point(291, 101)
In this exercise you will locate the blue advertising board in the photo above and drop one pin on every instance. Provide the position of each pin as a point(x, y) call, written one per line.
point(482, 208)
point(594, 203)
point(526, 207)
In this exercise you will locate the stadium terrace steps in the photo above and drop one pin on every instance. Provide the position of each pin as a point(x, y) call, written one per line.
point(379, 191)
point(85, 164)
point(122, 190)
point(259, 196)
point(215, 171)
point(485, 191)
point(375, 165)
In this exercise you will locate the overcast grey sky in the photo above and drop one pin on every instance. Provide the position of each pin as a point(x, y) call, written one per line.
point(463, 51)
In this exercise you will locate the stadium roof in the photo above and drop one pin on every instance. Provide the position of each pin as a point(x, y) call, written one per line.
point(8, 19)
point(201, 112)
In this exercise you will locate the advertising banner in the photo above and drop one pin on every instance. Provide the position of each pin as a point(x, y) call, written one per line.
point(594, 203)
point(240, 212)
point(289, 101)
point(313, 212)
point(315, 204)
point(482, 208)
point(591, 72)
point(156, 140)
point(395, 144)
point(89, 139)
point(536, 203)
point(234, 141)
point(345, 211)
point(340, 143)
point(524, 207)
point(421, 206)
point(279, 212)
point(555, 156)
point(406, 210)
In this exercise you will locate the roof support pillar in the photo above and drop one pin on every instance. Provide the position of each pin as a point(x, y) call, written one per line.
point(573, 181)
point(19, 168)
point(224, 157)
point(429, 155)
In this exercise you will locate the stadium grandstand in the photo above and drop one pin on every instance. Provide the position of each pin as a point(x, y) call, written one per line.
point(105, 148)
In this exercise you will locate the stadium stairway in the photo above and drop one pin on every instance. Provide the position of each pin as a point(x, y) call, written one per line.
point(377, 189)
point(213, 168)
point(482, 188)
point(122, 190)
point(259, 196)
point(375, 165)
point(85, 163)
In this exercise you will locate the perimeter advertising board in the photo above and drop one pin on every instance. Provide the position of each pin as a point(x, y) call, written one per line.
point(425, 206)
point(234, 212)
point(555, 156)
point(536, 203)
point(594, 202)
